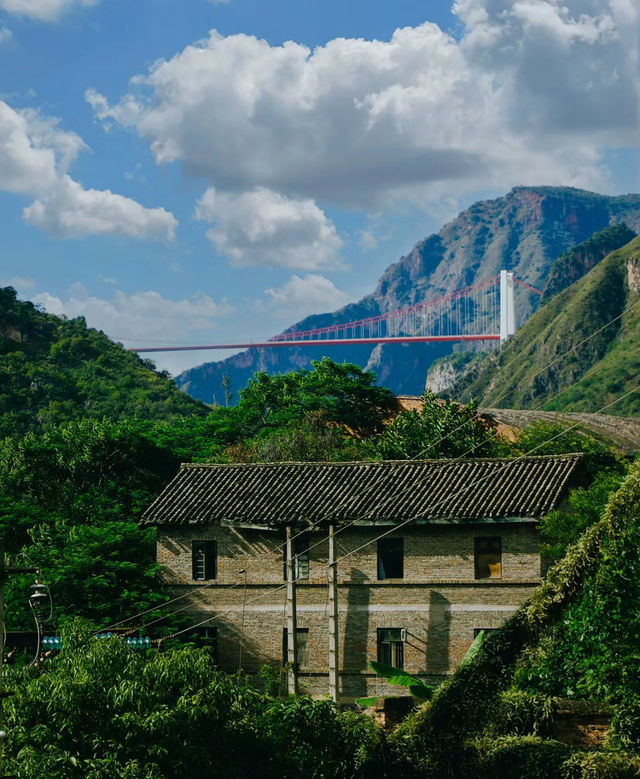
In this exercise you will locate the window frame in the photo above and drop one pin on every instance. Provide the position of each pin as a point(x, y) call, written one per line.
point(302, 652)
point(480, 565)
point(381, 573)
point(390, 648)
point(209, 637)
point(209, 551)
point(301, 558)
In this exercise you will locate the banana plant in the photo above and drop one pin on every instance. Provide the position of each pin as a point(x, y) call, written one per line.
point(397, 676)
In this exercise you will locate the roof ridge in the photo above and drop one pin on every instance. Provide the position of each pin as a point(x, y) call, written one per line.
point(342, 463)
point(278, 493)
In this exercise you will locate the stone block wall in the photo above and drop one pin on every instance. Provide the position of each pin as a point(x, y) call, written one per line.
point(438, 602)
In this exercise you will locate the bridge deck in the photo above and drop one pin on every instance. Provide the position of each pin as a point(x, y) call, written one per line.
point(323, 342)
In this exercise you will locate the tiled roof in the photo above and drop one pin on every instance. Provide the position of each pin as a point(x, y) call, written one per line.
point(399, 490)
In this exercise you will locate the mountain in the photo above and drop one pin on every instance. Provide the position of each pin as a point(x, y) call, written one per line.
point(524, 231)
point(54, 370)
point(546, 363)
point(573, 265)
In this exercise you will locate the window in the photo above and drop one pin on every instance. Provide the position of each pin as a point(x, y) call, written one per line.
point(391, 646)
point(203, 560)
point(390, 558)
point(301, 557)
point(488, 558)
point(302, 648)
point(209, 638)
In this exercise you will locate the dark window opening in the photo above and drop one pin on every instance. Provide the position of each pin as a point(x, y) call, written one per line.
point(390, 558)
point(391, 647)
point(203, 560)
point(209, 637)
point(488, 558)
point(300, 559)
point(302, 647)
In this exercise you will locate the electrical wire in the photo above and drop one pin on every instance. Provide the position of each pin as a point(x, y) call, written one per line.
point(328, 517)
point(194, 590)
point(402, 524)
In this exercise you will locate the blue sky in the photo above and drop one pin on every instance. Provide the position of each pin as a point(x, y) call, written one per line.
point(189, 171)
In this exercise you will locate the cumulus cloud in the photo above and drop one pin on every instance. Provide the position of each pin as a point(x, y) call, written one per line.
point(5, 35)
point(42, 10)
point(311, 294)
point(529, 94)
point(35, 154)
point(262, 227)
point(567, 71)
point(68, 211)
point(141, 317)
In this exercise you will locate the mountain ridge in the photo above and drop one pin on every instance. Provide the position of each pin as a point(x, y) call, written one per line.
point(525, 230)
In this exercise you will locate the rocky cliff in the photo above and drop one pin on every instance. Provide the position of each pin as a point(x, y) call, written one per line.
point(524, 231)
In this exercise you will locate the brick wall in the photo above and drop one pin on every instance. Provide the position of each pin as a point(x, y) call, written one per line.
point(438, 601)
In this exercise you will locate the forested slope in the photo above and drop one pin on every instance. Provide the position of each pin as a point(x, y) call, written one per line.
point(55, 370)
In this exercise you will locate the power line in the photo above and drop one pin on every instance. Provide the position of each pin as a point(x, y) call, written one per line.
point(326, 518)
point(394, 528)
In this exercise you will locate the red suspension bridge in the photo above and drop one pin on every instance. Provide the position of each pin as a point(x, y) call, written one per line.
point(483, 311)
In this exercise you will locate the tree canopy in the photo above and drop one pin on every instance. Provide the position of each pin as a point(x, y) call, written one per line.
point(442, 428)
point(103, 709)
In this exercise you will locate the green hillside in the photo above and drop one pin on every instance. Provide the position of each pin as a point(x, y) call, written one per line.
point(575, 263)
point(56, 370)
point(575, 640)
point(530, 371)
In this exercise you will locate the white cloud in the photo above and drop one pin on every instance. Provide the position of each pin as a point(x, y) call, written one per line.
point(42, 10)
point(5, 35)
point(18, 282)
point(311, 294)
point(142, 318)
point(530, 94)
point(68, 210)
point(262, 227)
point(35, 155)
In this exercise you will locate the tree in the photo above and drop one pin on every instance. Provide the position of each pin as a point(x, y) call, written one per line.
point(442, 428)
point(102, 709)
point(542, 437)
point(344, 392)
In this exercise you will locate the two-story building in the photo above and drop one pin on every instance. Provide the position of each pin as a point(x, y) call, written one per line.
point(427, 553)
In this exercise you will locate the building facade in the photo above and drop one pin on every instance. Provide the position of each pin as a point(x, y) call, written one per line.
point(428, 553)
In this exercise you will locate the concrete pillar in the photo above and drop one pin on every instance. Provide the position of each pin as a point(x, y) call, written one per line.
point(334, 657)
point(292, 620)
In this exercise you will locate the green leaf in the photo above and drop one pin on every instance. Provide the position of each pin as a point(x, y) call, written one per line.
point(367, 702)
point(397, 676)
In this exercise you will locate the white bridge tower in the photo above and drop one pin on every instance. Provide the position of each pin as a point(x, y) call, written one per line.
point(507, 306)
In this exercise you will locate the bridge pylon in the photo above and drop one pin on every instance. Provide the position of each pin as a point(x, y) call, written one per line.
point(507, 306)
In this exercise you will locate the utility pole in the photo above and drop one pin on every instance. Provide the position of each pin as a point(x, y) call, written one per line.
point(292, 619)
point(334, 658)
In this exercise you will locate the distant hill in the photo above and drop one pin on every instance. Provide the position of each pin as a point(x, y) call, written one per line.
point(524, 231)
point(589, 377)
point(54, 370)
